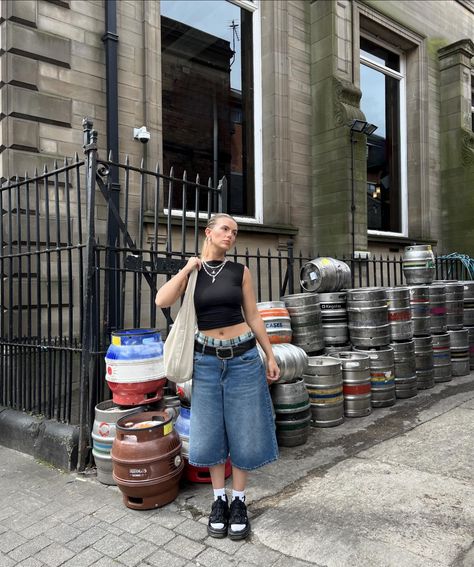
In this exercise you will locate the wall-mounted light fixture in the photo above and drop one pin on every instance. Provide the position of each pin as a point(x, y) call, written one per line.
point(362, 127)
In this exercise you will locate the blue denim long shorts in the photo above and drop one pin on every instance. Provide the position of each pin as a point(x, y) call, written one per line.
point(231, 412)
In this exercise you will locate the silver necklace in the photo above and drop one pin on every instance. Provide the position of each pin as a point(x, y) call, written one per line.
point(213, 271)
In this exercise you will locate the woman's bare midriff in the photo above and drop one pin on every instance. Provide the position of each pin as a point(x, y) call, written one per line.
point(227, 332)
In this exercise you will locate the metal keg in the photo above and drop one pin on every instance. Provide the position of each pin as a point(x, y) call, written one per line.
point(323, 379)
point(103, 434)
point(442, 357)
point(382, 376)
point(291, 360)
point(368, 317)
point(438, 319)
point(418, 264)
point(470, 331)
point(399, 313)
point(293, 415)
point(424, 362)
point(405, 369)
point(172, 404)
point(277, 321)
point(468, 303)
point(356, 383)
point(454, 303)
point(325, 274)
point(459, 352)
point(331, 349)
point(305, 314)
point(420, 310)
point(334, 318)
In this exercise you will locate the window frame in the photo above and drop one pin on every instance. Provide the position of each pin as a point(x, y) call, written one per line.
point(255, 8)
point(402, 115)
point(472, 99)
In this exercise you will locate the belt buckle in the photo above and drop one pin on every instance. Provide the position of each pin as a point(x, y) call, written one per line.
point(223, 357)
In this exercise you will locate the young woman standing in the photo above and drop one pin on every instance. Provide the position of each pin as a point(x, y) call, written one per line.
point(231, 405)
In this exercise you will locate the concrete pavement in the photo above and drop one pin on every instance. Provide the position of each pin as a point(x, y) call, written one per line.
point(392, 489)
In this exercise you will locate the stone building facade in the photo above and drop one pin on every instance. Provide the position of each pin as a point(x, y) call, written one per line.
point(310, 61)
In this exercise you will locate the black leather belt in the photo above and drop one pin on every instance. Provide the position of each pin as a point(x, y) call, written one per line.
point(225, 352)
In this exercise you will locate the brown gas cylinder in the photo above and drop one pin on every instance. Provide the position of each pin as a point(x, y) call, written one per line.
point(146, 457)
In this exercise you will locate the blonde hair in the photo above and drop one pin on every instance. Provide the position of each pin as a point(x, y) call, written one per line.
point(211, 223)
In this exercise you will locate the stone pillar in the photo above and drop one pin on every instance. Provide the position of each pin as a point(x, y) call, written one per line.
point(23, 105)
point(275, 80)
point(335, 104)
point(457, 147)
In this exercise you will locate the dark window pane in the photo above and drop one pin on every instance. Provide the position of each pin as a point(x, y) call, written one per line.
point(379, 54)
point(207, 90)
point(380, 104)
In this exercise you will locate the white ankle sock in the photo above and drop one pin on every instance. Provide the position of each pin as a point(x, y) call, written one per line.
point(238, 494)
point(219, 492)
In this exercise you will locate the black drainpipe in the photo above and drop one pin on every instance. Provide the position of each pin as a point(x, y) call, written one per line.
point(110, 40)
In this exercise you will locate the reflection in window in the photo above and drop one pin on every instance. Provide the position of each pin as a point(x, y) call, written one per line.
point(380, 85)
point(207, 89)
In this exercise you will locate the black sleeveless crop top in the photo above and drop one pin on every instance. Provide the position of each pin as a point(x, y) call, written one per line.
point(219, 304)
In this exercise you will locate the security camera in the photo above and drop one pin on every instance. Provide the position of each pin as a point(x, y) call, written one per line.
point(141, 134)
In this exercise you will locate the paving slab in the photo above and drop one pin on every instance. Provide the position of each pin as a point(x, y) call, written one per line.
point(468, 405)
point(367, 512)
point(444, 446)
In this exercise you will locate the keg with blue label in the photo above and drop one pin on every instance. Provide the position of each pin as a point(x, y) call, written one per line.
point(134, 366)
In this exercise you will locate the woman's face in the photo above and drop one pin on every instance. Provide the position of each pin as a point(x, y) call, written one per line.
point(223, 233)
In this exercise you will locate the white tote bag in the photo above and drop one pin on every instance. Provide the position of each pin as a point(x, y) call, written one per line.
point(179, 345)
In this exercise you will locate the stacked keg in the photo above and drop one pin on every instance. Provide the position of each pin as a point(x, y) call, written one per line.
point(323, 380)
point(329, 278)
point(423, 343)
point(369, 331)
point(324, 280)
point(356, 383)
point(325, 275)
point(290, 398)
point(428, 309)
point(402, 343)
point(277, 321)
point(439, 306)
point(469, 317)
point(292, 412)
point(334, 321)
point(458, 335)
point(135, 376)
point(305, 314)
point(418, 264)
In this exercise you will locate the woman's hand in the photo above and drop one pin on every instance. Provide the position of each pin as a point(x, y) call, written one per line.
point(273, 372)
point(193, 262)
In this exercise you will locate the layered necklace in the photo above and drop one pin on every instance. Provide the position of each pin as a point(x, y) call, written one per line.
point(213, 271)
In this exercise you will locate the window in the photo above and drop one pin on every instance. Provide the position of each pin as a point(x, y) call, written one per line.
point(208, 96)
point(382, 86)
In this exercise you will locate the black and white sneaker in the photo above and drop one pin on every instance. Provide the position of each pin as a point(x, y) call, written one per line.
point(239, 525)
point(218, 518)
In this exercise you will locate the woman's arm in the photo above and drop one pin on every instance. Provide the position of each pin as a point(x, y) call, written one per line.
point(172, 290)
point(255, 322)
